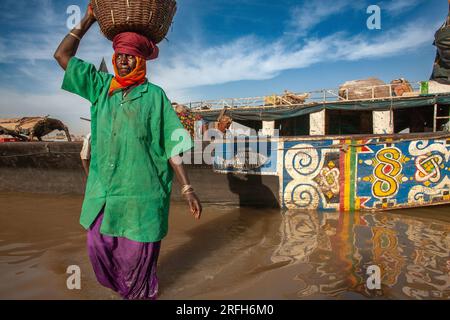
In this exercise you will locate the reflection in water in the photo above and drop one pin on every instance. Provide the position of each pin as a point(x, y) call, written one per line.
point(300, 237)
point(413, 254)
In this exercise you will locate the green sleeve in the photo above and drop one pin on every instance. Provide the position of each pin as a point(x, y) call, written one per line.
point(83, 79)
point(176, 138)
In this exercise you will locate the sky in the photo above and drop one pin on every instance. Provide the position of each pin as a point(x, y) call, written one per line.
point(223, 49)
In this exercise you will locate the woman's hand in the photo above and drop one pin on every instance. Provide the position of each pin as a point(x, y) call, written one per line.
point(90, 15)
point(194, 205)
point(187, 191)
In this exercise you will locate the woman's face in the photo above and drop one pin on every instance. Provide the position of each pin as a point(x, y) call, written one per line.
point(125, 63)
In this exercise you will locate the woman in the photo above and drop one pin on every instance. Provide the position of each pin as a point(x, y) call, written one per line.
point(136, 139)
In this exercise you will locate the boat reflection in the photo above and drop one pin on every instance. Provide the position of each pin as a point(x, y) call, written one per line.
point(412, 253)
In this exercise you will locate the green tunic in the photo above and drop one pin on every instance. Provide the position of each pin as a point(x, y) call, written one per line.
point(132, 140)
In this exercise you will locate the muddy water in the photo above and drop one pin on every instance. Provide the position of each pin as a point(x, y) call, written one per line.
point(236, 253)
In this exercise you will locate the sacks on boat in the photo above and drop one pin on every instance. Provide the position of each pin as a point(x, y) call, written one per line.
point(151, 18)
point(436, 87)
point(288, 98)
point(400, 87)
point(364, 89)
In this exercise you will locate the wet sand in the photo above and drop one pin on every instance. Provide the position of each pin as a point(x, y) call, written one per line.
point(236, 253)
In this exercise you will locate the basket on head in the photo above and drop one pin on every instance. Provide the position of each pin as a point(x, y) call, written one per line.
point(151, 18)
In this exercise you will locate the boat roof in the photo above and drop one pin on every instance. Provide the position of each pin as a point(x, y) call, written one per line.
point(258, 109)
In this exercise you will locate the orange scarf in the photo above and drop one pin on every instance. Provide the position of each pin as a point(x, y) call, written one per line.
point(135, 77)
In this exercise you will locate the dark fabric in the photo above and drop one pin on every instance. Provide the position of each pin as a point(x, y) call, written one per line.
point(441, 68)
point(442, 42)
point(125, 266)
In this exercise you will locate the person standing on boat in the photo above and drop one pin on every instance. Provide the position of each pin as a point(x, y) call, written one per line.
point(136, 140)
point(224, 123)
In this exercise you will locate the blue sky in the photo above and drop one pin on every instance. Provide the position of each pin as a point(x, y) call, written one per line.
point(224, 48)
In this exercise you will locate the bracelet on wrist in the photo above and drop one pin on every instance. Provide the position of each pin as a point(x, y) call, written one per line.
point(75, 36)
point(187, 189)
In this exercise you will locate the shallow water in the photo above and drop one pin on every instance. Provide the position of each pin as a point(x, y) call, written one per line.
point(236, 253)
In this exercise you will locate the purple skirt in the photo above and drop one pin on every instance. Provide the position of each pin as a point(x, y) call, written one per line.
point(125, 266)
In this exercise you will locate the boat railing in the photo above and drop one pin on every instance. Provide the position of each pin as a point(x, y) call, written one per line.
point(311, 97)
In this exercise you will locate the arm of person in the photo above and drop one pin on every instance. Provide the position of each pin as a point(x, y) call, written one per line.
point(80, 77)
point(69, 45)
point(183, 179)
point(175, 141)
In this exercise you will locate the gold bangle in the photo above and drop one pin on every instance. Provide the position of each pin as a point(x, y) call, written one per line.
point(186, 188)
point(75, 36)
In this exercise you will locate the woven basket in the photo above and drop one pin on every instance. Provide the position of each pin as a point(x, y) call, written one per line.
point(151, 18)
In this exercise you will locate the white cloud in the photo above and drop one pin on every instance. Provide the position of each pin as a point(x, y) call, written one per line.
point(399, 6)
point(311, 13)
point(248, 58)
point(413, 35)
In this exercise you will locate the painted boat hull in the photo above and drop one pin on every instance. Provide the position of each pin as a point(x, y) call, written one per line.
point(376, 172)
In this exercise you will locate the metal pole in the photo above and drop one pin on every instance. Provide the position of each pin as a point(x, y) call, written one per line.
point(434, 117)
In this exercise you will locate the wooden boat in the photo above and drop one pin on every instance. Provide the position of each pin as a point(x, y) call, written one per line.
point(28, 128)
point(315, 162)
point(378, 169)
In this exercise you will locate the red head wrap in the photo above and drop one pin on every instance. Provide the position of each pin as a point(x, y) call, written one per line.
point(136, 45)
